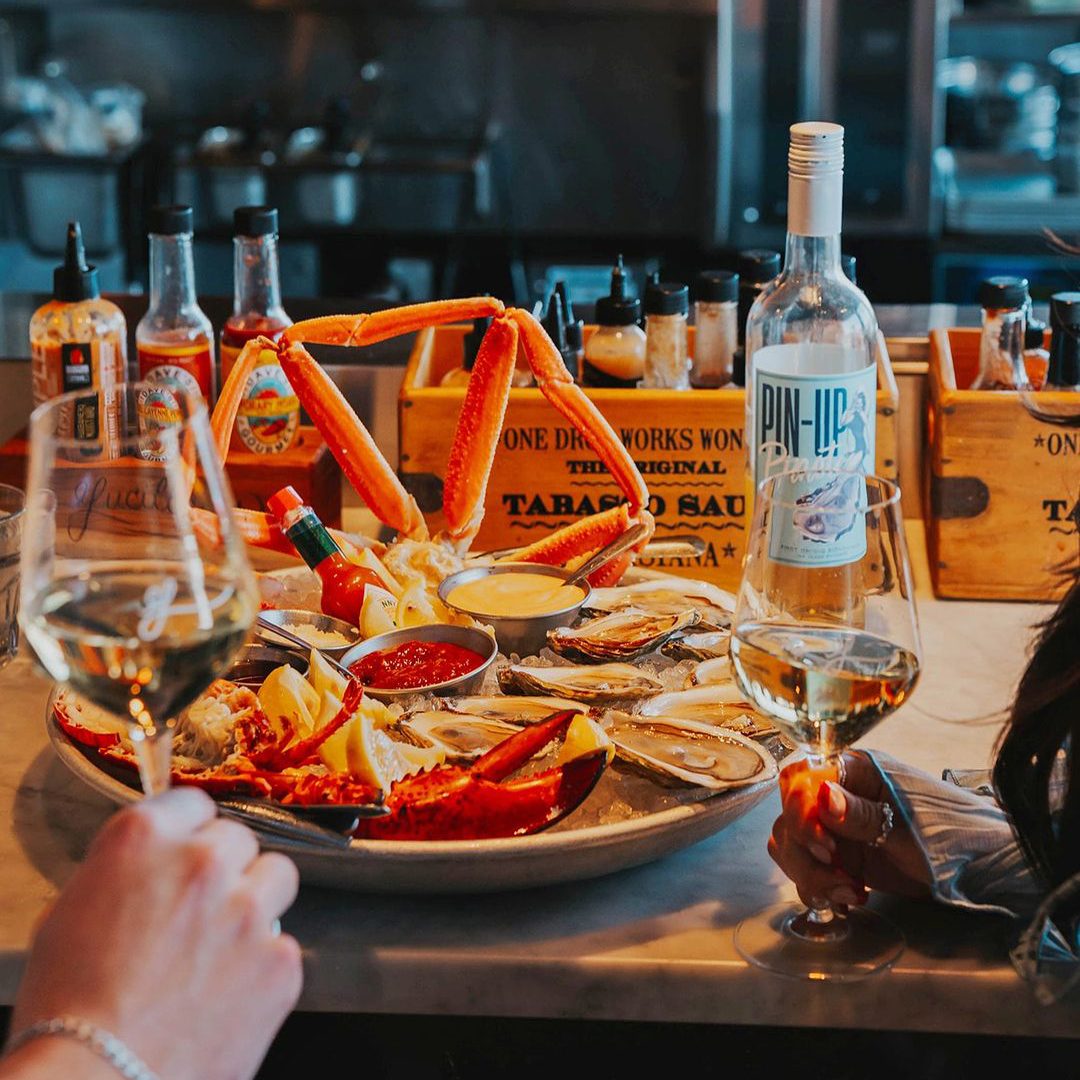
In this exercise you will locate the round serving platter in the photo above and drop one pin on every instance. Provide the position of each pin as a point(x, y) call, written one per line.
point(474, 866)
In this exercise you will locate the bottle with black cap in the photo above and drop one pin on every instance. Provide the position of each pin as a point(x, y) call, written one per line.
point(716, 333)
point(1036, 355)
point(667, 366)
point(174, 339)
point(615, 352)
point(1064, 370)
point(459, 376)
point(757, 267)
point(78, 341)
point(575, 330)
point(268, 417)
point(1004, 302)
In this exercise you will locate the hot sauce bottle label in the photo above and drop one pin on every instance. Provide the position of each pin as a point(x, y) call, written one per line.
point(157, 408)
point(269, 414)
point(57, 367)
point(187, 367)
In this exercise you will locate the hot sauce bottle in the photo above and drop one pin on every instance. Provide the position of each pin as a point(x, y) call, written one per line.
point(174, 339)
point(343, 581)
point(78, 341)
point(268, 419)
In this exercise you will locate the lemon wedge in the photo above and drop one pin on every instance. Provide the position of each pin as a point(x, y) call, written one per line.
point(583, 736)
point(372, 755)
point(332, 750)
point(366, 558)
point(286, 694)
point(323, 678)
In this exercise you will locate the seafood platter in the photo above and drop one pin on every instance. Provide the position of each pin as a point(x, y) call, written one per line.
point(494, 723)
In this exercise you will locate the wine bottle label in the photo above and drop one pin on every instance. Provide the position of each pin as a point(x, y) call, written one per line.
point(809, 412)
point(311, 540)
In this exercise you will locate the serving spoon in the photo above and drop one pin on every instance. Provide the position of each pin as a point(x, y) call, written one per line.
point(288, 635)
point(634, 535)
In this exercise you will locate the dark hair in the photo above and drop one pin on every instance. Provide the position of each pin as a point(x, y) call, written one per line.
point(1045, 717)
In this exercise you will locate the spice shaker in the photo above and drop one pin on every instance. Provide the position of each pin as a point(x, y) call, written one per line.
point(1064, 370)
point(757, 267)
point(1036, 356)
point(1004, 301)
point(615, 352)
point(667, 304)
point(717, 333)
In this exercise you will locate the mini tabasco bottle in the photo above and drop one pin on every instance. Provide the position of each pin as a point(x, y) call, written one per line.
point(78, 341)
point(343, 581)
point(268, 419)
point(174, 339)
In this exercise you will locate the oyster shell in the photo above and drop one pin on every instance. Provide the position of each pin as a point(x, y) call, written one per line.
point(464, 738)
point(622, 635)
point(708, 672)
point(591, 683)
point(667, 596)
point(511, 709)
point(718, 705)
point(698, 646)
point(689, 752)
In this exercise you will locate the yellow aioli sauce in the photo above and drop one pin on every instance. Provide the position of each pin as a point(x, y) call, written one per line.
point(515, 595)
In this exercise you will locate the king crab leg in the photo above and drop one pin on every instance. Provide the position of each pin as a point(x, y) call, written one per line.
point(476, 436)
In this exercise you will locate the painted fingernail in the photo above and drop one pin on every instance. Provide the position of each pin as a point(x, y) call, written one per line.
point(844, 895)
point(822, 854)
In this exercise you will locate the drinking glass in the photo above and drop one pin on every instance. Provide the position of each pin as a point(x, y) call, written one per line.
point(136, 587)
point(12, 504)
point(826, 642)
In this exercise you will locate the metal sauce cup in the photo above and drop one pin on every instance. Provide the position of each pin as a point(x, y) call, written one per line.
point(525, 635)
point(296, 619)
point(465, 636)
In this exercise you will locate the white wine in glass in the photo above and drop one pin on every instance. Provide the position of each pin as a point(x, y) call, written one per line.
point(826, 642)
point(136, 589)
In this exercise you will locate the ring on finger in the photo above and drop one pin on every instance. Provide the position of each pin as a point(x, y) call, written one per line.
point(275, 928)
point(888, 819)
point(841, 771)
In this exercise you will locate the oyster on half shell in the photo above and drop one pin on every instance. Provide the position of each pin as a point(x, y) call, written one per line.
point(464, 738)
point(688, 752)
point(622, 635)
point(591, 683)
point(698, 646)
point(667, 596)
point(718, 704)
point(511, 709)
point(709, 672)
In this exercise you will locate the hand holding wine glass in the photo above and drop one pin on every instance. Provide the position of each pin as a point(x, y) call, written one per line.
point(136, 589)
point(826, 643)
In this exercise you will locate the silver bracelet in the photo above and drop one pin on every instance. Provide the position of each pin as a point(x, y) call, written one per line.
point(102, 1042)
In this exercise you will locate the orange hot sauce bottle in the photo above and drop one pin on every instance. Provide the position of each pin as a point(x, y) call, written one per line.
point(174, 339)
point(268, 419)
point(343, 582)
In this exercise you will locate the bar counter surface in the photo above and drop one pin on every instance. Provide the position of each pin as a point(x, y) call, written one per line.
point(650, 944)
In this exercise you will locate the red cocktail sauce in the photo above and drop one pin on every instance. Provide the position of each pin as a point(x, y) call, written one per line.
point(414, 664)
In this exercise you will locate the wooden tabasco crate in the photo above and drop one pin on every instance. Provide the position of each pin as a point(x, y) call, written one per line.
point(689, 446)
point(1003, 490)
point(307, 465)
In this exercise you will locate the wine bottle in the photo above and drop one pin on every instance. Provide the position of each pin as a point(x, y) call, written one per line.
point(810, 353)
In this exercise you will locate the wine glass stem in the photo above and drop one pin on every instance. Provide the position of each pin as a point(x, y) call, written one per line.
point(153, 750)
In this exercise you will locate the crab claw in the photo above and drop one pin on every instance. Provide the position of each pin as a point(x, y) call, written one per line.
point(456, 803)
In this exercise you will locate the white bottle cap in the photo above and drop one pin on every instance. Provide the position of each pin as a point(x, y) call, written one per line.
point(815, 179)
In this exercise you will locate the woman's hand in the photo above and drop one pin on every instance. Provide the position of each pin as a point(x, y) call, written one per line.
point(824, 838)
point(166, 936)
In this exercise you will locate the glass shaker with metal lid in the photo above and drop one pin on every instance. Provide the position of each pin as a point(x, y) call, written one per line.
point(1004, 302)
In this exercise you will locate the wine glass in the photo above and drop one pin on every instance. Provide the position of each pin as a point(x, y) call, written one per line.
point(826, 642)
point(136, 587)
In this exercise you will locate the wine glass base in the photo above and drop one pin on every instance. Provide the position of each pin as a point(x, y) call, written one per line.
point(870, 945)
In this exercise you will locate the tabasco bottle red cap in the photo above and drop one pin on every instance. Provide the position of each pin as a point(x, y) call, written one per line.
point(281, 502)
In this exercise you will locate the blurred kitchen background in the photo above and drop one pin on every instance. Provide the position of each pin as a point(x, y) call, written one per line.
point(442, 147)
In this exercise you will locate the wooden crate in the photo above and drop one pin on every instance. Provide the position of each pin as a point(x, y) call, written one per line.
point(688, 444)
point(1002, 509)
point(307, 465)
